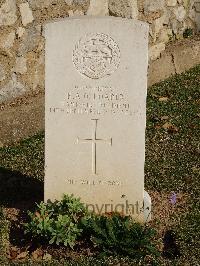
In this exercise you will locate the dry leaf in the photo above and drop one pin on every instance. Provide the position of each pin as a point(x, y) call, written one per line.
point(171, 128)
point(167, 125)
point(154, 95)
point(163, 99)
point(14, 249)
point(12, 253)
point(165, 117)
point(37, 214)
point(22, 255)
point(195, 169)
point(157, 127)
point(192, 126)
point(11, 213)
point(37, 254)
point(47, 256)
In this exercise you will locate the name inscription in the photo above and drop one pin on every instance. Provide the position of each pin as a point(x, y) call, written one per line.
point(98, 100)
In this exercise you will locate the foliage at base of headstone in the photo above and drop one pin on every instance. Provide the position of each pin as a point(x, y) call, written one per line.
point(118, 235)
point(66, 221)
point(57, 222)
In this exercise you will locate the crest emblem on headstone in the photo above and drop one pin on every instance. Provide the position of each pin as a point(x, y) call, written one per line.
point(96, 55)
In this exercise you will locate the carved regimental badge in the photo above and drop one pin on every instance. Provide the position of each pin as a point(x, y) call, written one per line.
point(96, 55)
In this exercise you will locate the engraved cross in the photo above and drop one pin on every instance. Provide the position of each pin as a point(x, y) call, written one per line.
point(94, 140)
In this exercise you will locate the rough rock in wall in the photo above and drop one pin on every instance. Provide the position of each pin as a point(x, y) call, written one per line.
point(196, 13)
point(22, 41)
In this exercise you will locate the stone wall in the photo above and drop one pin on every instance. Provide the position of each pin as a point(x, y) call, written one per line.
point(22, 41)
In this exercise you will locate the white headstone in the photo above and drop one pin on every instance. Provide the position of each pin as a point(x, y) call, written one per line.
point(96, 85)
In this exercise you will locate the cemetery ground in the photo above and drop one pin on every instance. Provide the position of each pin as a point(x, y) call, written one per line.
point(171, 178)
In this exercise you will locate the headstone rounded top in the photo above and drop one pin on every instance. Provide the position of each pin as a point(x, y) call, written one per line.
point(96, 55)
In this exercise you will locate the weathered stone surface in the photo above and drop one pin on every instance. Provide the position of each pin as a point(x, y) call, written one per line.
point(196, 15)
point(198, 22)
point(174, 26)
point(158, 25)
point(121, 8)
point(186, 56)
point(187, 3)
point(197, 6)
point(171, 2)
point(20, 31)
point(155, 5)
point(70, 13)
point(180, 13)
point(165, 35)
point(80, 2)
point(26, 14)
point(38, 74)
point(35, 4)
point(22, 121)
point(30, 40)
point(11, 90)
point(156, 50)
point(192, 14)
point(20, 65)
point(34, 78)
point(78, 13)
point(8, 13)
point(2, 73)
point(97, 108)
point(69, 2)
point(134, 9)
point(98, 8)
point(7, 40)
point(188, 24)
point(161, 69)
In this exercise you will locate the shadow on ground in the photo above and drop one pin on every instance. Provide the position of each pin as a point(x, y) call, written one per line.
point(19, 191)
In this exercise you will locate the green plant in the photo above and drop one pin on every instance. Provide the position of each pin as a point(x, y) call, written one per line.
point(117, 235)
point(57, 222)
point(188, 33)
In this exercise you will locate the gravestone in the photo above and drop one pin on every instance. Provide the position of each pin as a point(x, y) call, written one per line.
point(96, 85)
